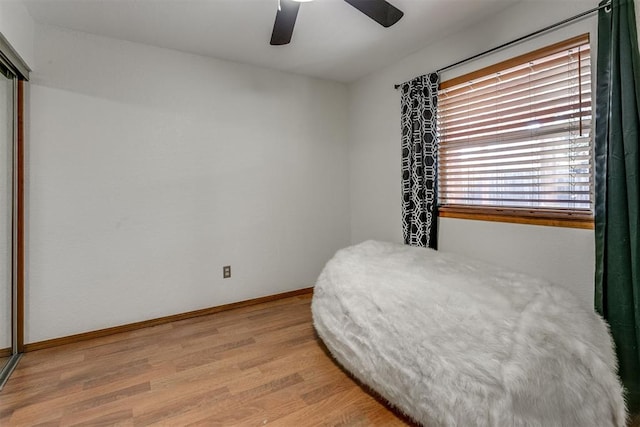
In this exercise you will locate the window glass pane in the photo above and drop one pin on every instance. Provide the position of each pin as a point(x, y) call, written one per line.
point(519, 136)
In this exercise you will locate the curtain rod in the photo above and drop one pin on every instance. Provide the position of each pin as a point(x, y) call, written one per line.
point(523, 38)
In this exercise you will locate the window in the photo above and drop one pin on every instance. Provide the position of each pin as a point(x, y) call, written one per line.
point(515, 139)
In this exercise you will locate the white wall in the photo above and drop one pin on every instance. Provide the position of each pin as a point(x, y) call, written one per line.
point(150, 169)
point(565, 256)
point(17, 27)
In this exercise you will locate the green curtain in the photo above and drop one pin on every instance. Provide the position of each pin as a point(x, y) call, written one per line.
point(617, 189)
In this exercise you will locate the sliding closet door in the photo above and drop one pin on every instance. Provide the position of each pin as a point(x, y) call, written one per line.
point(8, 344)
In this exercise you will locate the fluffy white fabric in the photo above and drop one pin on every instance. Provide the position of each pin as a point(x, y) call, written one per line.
point(455, 342)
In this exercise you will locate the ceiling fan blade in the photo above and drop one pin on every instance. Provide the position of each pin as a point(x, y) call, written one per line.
point(285, 21)
point(380, 11)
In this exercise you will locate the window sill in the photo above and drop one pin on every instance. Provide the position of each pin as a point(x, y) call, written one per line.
point(552, 218)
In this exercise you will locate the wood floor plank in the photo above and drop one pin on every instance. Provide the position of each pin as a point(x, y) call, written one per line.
point(249, 366)
point(122, 417)
point(255, 412)
point(97, 397)
point(180, 406)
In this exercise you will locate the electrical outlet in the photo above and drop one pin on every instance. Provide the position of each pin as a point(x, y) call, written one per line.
point(226, 271)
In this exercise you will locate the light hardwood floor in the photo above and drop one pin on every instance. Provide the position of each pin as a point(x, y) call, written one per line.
point(252, 366)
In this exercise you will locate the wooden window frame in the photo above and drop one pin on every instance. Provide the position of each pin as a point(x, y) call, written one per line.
point(546, 217)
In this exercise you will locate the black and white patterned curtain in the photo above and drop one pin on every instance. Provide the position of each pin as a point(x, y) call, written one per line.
point(419, 161)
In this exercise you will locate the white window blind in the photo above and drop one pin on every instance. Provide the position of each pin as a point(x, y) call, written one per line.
point(518, 134)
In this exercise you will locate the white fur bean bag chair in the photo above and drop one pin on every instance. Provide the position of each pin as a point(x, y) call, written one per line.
point(455, 342)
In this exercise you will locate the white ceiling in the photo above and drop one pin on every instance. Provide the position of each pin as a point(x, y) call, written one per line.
point(331, 40)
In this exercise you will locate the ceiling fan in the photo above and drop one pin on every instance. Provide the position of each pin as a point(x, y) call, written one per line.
point(380, 11)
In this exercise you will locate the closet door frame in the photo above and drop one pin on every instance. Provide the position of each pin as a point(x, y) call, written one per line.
point(18, 201)
point(11, 60)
